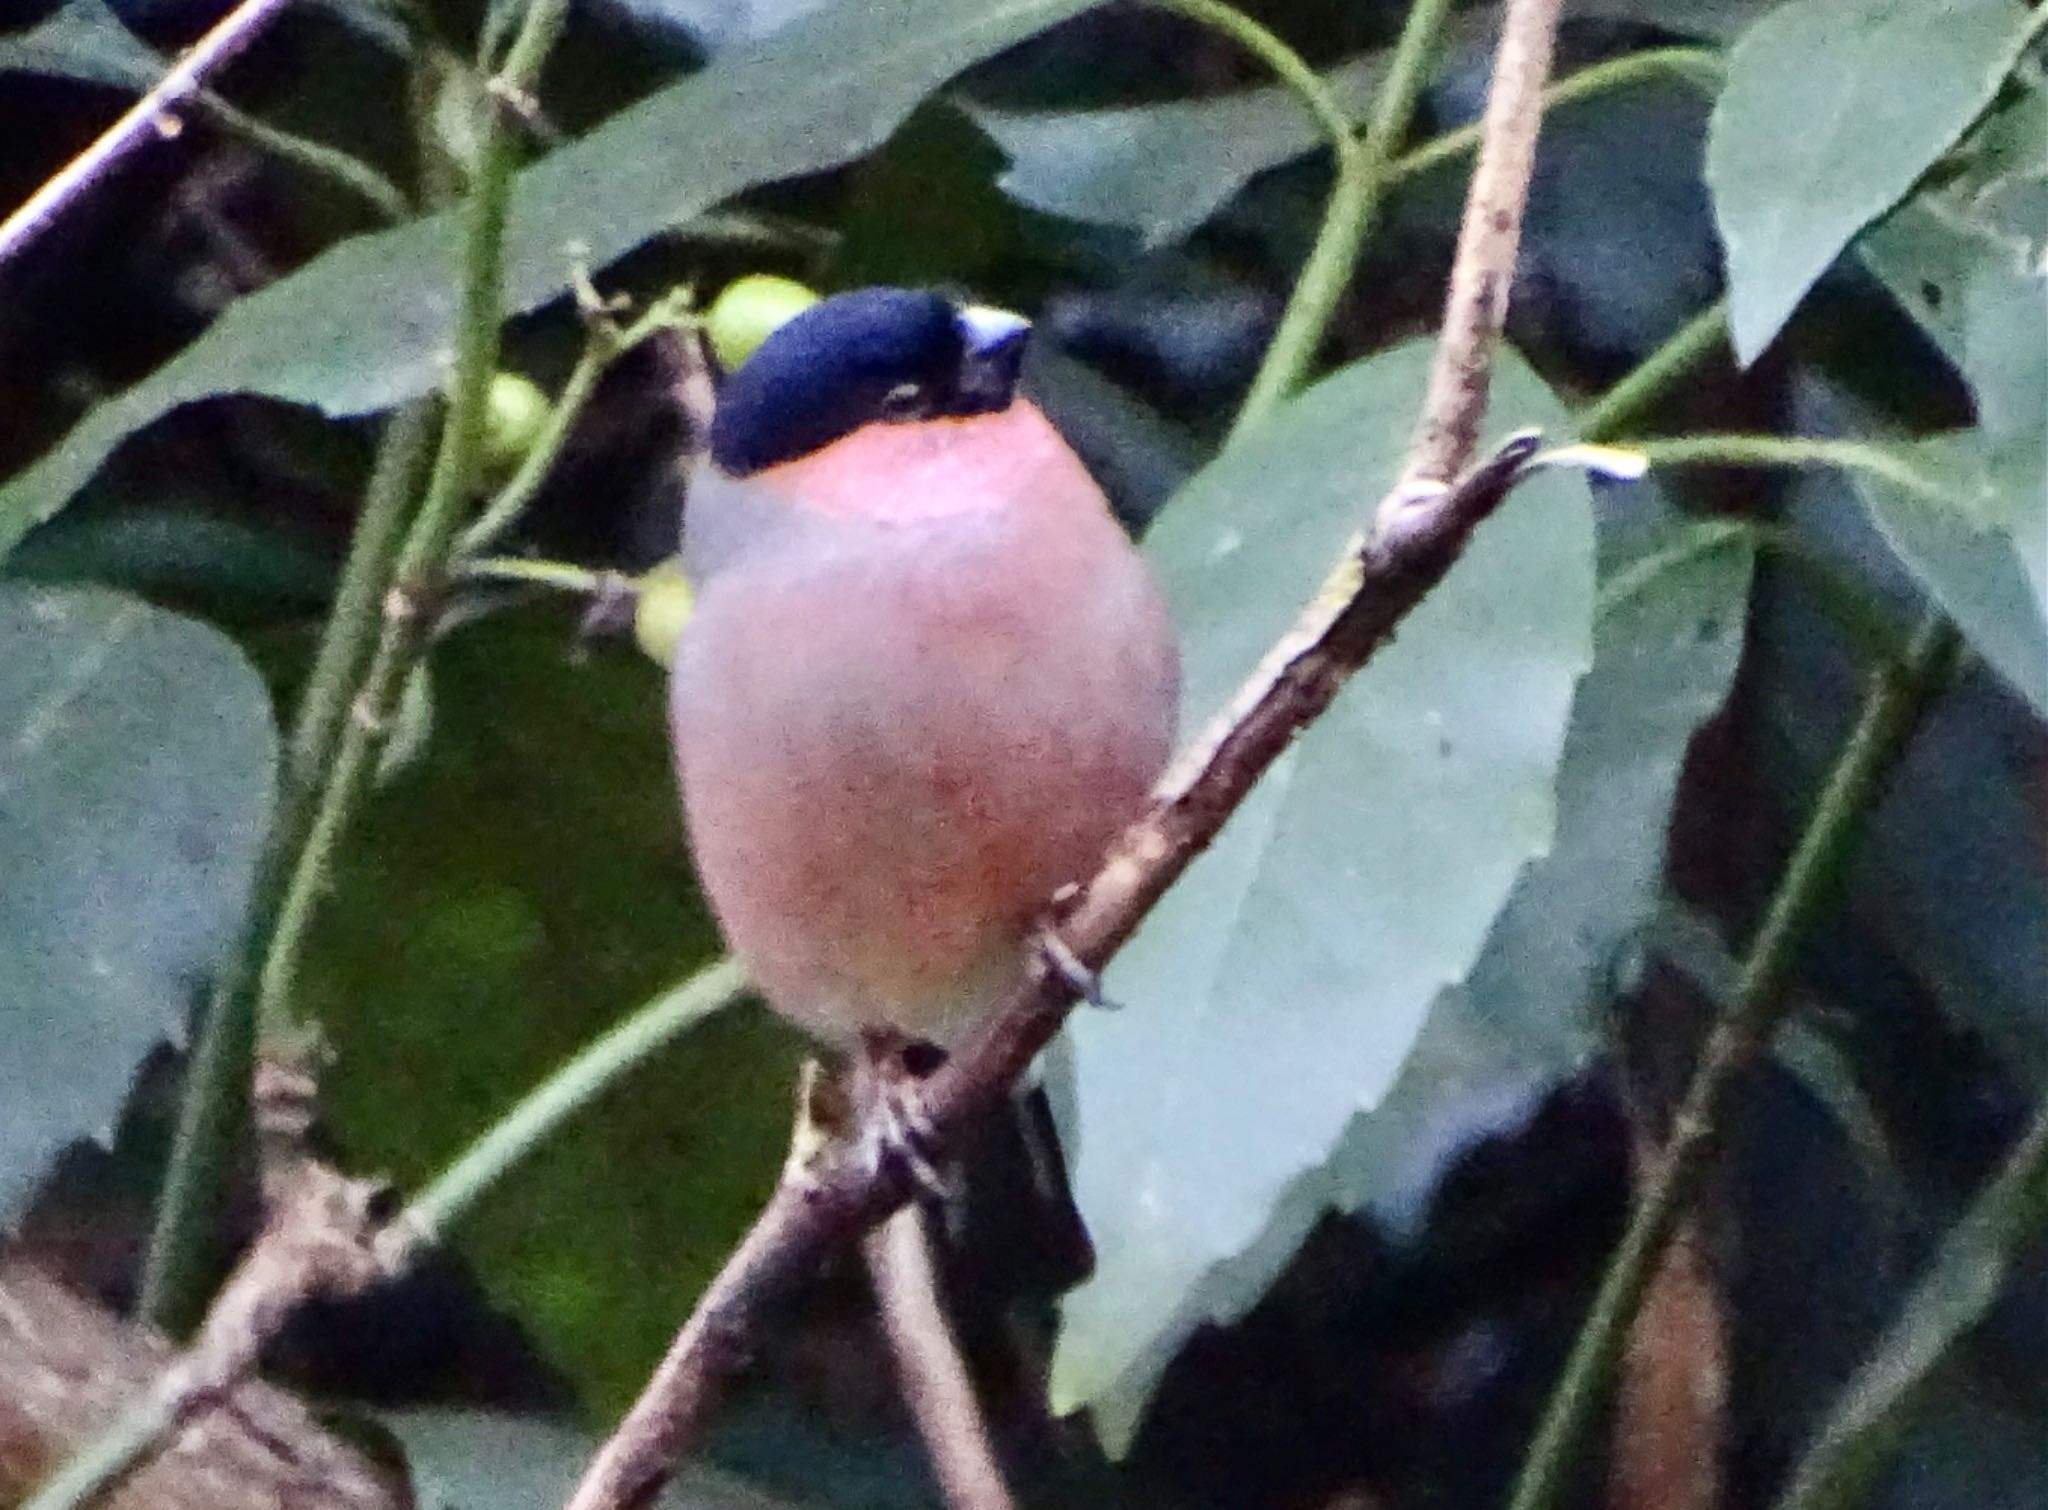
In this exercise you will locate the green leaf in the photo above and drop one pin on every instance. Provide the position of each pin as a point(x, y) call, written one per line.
point(371, 321)
point(1832, 109)
point(1715, 20)
point(1953, 1296)
point(136, 760)
point(84, 40)
point(485, 1460)
point(1983, 299)
point(513, 891)
point(1161, 169)
point(1666, 645)
point(1278, 988)
point(1980, 576)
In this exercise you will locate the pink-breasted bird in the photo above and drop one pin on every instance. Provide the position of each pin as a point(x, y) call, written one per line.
point(927, 677)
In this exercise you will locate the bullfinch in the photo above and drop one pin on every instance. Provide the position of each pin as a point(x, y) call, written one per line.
point(927, 677)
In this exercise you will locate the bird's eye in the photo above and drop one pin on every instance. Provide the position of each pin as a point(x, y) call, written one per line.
point(904, 401)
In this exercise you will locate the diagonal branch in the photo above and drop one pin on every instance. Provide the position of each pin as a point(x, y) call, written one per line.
point(147, 117)
point(1419, 531)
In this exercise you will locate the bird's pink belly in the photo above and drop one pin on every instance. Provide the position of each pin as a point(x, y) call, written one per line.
point(880, 811)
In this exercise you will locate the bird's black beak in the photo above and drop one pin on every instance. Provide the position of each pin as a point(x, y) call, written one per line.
point(992, 343)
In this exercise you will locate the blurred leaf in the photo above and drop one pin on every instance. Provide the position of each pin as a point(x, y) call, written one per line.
point(1161, 169)
point(1954, 1294)
point(1879, 90)
point(1979, 576)
point(1278, 988)
point(136, 760)
point(512, 892)
point(480, 1460)
point(371, 321)
point(1984, 301)
point(715, 25)
point(923, 210)
point(84, 40)
point(1971, 1448)
point(2001, 176)
point(165, 548)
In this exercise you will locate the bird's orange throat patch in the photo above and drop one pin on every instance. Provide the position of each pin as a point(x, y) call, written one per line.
point(939, 467)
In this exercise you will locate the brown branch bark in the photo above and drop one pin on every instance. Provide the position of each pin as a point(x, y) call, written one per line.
point(326, 1238)
point(1488, 239)
point(936, 1384)
point(66, 1366)
point(1420, 529)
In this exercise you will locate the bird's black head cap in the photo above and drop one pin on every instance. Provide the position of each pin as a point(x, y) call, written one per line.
point(879, 355)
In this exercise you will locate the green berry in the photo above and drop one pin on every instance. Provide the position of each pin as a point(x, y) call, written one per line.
point(749, 311)
point(662, 605)
point(514, 413)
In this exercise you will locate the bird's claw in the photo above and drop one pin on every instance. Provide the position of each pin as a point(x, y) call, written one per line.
point(899, 1131)
point(896, 1127)
point(1071, 971)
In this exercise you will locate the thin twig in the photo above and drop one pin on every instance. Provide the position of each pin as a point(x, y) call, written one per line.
point(1487, 242)
point(1800, 451)
point(1897, 696)
point(936, 1384)
point(604, 343)
point(343, 169)
point(1416, 537)
point(148, 116)
point(1624, 405)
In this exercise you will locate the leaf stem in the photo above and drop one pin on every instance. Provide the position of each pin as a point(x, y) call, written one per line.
point(593, 1070)
point(423, 557)
point(605, 344)
point(338, 167)
point(183, 1258)
point(1795, 451)
point(213, 1111)
point(1355, 196)
point(1625, 404)
point(1897, 696)
point(1957, 1291)
point(1700, 64)
point(562, 576)
point(358, 597)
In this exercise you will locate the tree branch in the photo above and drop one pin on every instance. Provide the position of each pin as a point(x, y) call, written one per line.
point(324, 1241)
point(64, 1361)
point(935, 1381)
point(148, 116)
point(1488, 239)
